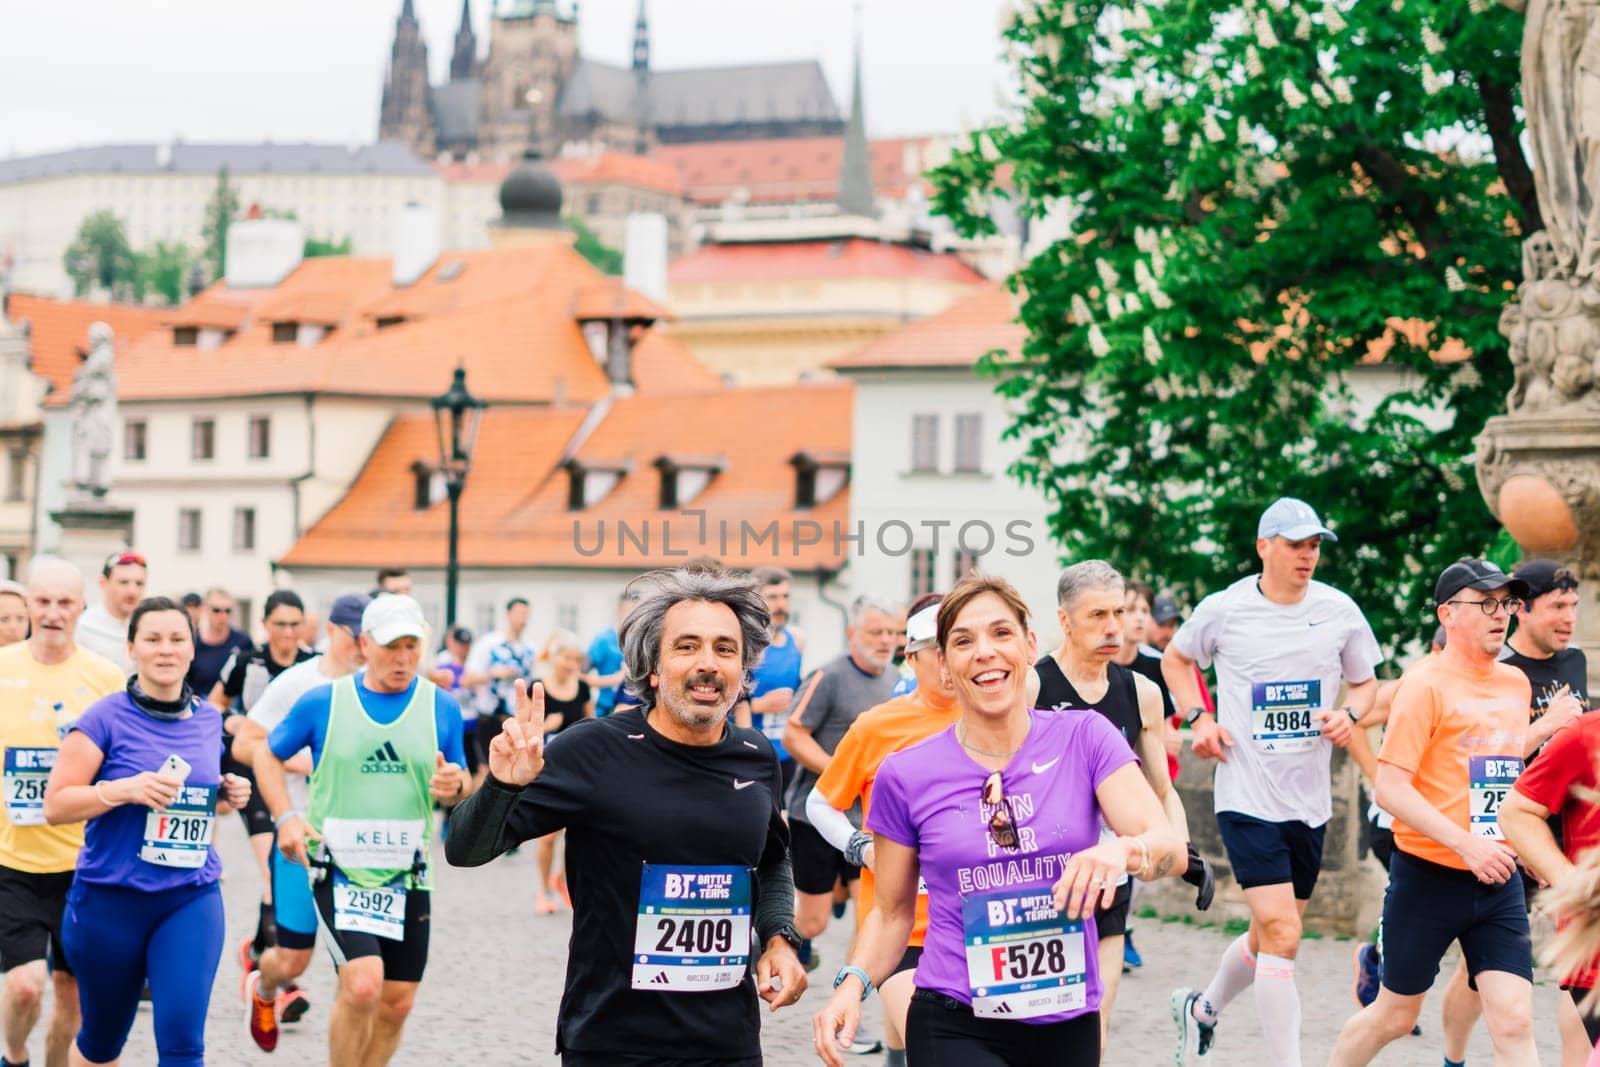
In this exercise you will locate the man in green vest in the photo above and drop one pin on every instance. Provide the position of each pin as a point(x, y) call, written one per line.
point(385, 745)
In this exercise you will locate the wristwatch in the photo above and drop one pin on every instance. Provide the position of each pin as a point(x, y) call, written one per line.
point(1194, 713)
point(1355, 716)
point(789, 934)
point(846, 971)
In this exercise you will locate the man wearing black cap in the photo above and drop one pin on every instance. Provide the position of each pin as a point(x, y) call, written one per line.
point(1454, 747)
point(1164, 619)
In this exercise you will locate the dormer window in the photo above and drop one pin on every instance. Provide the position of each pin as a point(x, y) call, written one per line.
point(818, 477)
point(383, 322)
point(285, 333)
point(294, 332)
point(591, 481)
point(685, 477)
point(185, 336)
point(428, 485)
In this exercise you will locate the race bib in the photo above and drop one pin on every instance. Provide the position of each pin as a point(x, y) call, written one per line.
point(1490, 779)
point(380, 911)
point(26, 772)
point(693, 929)
point(181, 835)
point(772, 724)
point(1280, 715)
point(1024, 958)
point(374, 844)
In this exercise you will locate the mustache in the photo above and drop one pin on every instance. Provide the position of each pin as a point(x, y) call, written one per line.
point(705, 678)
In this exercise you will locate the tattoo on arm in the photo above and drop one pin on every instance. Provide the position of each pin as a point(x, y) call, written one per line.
point(1164, 865)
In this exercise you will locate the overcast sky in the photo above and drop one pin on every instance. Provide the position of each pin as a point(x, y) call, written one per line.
point(76, 72)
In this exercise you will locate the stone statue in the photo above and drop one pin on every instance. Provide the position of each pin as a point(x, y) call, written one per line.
point(94, 414)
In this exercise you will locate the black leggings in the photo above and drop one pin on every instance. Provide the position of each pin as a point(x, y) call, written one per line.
point(942, 1032)
point(1591, 1023)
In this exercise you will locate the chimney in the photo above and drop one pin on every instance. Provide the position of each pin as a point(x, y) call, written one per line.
point(644, 255)
point(263, 252)
point(416, 243)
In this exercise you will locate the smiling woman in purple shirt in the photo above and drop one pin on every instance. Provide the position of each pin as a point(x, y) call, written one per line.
point(1000, 816)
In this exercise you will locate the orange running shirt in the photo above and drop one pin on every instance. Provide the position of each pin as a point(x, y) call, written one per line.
point(1460, 732)
point(889, 727)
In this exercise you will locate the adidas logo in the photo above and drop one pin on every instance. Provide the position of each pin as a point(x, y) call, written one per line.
point(1002, 1008)
point(661, 979)
point(384, 760)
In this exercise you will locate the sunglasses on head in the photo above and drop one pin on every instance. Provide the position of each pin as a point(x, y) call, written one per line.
point(1003, 822)
point(125, 559)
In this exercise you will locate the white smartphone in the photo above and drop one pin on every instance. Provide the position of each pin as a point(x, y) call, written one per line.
point(176, 767)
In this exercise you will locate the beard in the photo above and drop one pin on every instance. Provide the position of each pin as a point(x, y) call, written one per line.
point(685, 711)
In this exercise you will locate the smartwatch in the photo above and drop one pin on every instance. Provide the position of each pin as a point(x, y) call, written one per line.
point(1355, 716)
point(846, 971)
point(1194, 713)
point(789, 934)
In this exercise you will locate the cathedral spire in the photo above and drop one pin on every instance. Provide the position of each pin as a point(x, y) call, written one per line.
point(641, 40)
point(855, 176)
point(464, 60)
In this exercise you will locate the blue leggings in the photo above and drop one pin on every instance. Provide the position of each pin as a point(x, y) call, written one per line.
point(117, 939)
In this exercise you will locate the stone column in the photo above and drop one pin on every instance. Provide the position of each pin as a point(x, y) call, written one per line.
point(90, 532)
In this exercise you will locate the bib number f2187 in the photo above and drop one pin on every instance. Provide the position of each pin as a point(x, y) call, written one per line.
point(692, 933)
point(1280, 715)
point(180, 836)
point(380, 910)
point(1490, 779)
point(1024, 958)
point(27, 770)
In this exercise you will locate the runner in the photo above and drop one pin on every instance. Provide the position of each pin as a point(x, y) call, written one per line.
point(567, 701)
point(144, 768)
point(605, 658)
point(51, 681)
point(1281, 643)
point(1452, 750)
point(776, 677)
point(215, 641)
point(103, 627)
point(847, 783)
point(828, 701)
point(659, 847)
point(269, 989)
point(1081, 675)
point(385, 745)
point(1001, 815)
point(13, 613)
point(448, 670)
point(395, 580)
point(244, 678)
point(496, 661)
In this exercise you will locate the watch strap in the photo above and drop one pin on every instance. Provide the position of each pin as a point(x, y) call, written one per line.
point(846, 971)
point(1194, 713)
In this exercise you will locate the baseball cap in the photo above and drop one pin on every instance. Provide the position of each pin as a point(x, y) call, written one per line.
point(462, 634)
point(392, 616)
point(1165, 609)
point(1292, 520)
point(922, 629)
point(1545, 576)
point(192, 600)
point(347, 611)
point(1477, 574)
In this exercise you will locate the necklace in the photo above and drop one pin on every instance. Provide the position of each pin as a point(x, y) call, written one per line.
point(985, 752)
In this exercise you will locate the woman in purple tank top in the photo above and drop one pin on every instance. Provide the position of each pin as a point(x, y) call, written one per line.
point(1000, 817)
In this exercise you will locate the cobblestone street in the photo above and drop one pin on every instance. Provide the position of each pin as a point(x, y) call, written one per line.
point(495, 972)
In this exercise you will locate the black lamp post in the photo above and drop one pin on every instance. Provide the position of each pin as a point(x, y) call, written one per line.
point(456, 415)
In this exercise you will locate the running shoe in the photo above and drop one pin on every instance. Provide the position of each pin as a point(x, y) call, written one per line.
point(1194, 1037)
point(1369, 973)
point(1130, 955)
point(292, 1003)
point(247, 954)
point(262, 1015)
point(839, 906)
point(545, 906)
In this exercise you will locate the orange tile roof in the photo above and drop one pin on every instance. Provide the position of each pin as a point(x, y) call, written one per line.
point(59, 330)
point(516, 515)
point(808, 260)
point(955, 337)
point(643, 172)
point(789, 170)
point(610, 299)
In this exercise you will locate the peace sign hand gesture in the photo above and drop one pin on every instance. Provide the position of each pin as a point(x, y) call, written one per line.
point(516, 755)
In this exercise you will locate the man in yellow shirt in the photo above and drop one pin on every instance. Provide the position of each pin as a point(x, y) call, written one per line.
point(46, 682)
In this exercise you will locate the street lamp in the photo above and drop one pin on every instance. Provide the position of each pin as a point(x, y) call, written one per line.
point(456, 415)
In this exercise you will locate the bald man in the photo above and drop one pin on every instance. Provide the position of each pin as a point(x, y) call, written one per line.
point(48, 681)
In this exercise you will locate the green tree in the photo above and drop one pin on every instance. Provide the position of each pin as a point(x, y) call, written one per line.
point(220, 212)
point(165, 270)
point(1259, 192)
point(315, 248)
point(601, 256)
point(100, 256)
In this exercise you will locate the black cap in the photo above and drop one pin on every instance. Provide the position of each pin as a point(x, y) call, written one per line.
point(462, 634)
point(1165, 609)
point(192, 600)
point(1545, 576)
point(1477, 574)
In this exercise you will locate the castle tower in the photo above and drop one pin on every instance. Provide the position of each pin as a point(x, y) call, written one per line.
point(405, 115)
point(464, 60)
point(855, 177)
point(533, 47)
point(641, 82)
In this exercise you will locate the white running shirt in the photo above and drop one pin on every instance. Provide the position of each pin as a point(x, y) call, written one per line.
point(273, 707)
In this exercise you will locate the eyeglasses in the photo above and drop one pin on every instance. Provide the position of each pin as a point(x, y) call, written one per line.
point(220, 611)
point(1003, 823)
point(1489, 606)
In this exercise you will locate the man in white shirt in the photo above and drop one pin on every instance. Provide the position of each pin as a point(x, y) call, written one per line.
point(103, 627)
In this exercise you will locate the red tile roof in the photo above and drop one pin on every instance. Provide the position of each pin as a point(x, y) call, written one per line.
point(516, 515)
point(806, 260)
point(642, 172)
point(789, 170)
point(59, 330)
point(955, 337)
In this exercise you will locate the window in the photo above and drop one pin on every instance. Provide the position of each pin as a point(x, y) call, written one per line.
point(966, 561)
point(430, 486)
point(567, 617)
point(924, 442)
point(818, 477)
point(244, 529)
point(17, 474)
point(969, 447)
point(242, 613)
point(188, 529)
point(921, 571)
point(135, 440)
point(187, 336)
point(203, 439)
point(260, 436)
point(385, 321)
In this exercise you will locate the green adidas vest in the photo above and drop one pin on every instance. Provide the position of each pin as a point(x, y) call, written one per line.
point(371, 779)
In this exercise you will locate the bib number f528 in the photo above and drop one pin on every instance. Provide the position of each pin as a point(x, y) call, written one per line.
point(1024, 959)
point(692, 933)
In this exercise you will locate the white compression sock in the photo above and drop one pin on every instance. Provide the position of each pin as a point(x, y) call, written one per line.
point(1234, 974)
point(1278, 1004)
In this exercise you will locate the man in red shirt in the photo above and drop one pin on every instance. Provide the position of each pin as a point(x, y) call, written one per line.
point(1562, 781)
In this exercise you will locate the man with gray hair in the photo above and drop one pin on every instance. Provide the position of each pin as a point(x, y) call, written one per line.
point(668, 807)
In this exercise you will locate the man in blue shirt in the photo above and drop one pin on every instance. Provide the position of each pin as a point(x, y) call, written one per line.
point(605, 658)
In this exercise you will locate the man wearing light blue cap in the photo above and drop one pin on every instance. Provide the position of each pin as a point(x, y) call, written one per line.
point(1282, 644)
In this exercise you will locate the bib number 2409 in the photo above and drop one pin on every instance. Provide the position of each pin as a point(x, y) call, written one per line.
point(692, 933)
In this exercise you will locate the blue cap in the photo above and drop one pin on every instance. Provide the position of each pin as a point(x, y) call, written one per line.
point(1292, 520)
point(347, 610)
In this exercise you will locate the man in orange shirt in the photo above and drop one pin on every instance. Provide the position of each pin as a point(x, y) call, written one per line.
point(889, 727)
point(1454, 746)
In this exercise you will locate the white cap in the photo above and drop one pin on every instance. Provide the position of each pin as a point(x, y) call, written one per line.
point(392, 616)
point(922, 629)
